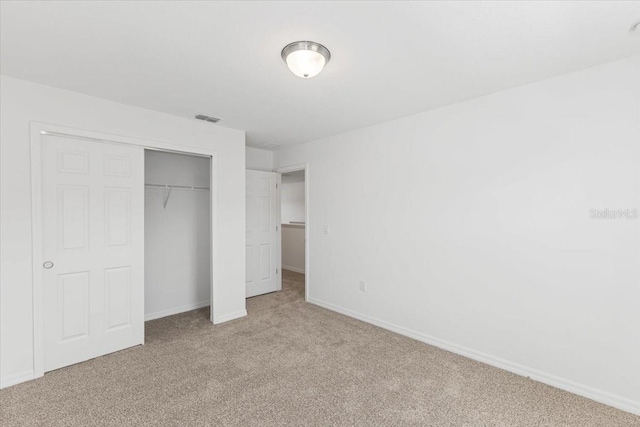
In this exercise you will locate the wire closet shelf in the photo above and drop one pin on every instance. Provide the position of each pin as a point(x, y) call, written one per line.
point(173, 187)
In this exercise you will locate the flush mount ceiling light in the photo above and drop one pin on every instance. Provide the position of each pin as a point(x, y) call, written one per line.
point(305, 59)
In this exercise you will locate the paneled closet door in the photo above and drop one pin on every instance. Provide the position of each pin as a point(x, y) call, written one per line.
point(93, 230)
point(263, 233)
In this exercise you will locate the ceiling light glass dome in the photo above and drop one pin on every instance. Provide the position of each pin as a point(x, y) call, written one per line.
point(305, 59)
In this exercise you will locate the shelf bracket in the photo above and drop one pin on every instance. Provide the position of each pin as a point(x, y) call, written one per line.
point(166, 199)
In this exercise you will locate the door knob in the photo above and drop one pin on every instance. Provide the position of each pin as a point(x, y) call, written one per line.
point(48, 264)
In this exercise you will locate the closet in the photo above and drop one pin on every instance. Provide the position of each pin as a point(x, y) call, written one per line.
point(177, 233)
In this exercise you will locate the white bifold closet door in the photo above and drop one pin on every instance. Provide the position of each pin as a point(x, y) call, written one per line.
point(93, 230)
point(263, 233)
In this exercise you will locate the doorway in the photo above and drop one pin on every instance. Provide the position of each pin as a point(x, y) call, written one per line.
point(294, 213)
point(293, 221)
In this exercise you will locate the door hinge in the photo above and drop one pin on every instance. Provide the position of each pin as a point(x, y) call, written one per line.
point(276, 228)
point(277, 271)
point(276, 185)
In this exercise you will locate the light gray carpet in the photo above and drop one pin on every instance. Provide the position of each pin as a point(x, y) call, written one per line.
point(290, 363)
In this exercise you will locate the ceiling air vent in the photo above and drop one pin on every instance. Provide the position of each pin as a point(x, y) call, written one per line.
point(207, 118)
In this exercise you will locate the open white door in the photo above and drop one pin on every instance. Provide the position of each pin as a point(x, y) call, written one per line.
point(93, 246)
point(263, 233)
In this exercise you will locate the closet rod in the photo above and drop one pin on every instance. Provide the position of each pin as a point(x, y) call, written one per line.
point(178, 187)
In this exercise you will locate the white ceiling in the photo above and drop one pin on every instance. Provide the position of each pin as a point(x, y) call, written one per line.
point(389, 59)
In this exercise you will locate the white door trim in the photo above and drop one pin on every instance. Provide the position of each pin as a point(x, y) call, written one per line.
point(307, 265)
point(37, 130)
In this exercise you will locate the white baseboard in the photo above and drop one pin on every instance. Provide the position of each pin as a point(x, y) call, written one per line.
point(601, 396)
point(175, 310)
point(294, 269)
point(14, 379)
point(230, 316)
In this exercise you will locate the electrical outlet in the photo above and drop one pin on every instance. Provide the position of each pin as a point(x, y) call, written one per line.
point(326, 229)
point(363, 285)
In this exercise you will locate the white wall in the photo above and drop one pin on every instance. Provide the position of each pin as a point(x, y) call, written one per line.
point(22, 102)
point(293, 247)
point(162, 167)
point(471, 227)
point(177, 255)
point(257, 159)
point(292, 197)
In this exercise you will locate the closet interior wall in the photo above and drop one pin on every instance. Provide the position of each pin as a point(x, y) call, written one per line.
point(177, 233)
